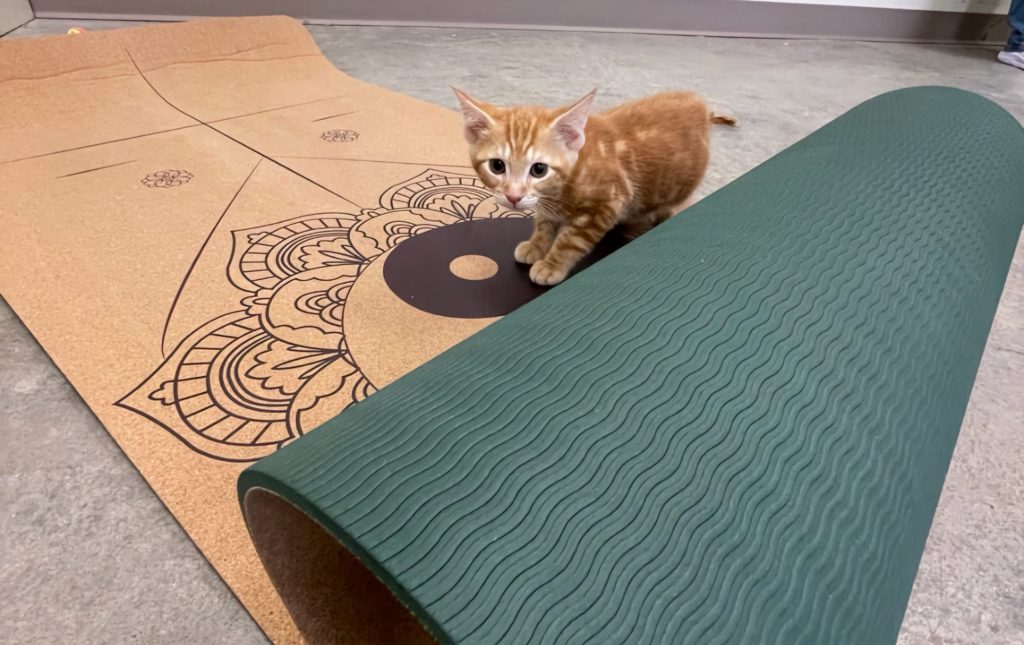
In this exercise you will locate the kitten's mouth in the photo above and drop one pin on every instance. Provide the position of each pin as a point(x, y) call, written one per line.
point(524, 204)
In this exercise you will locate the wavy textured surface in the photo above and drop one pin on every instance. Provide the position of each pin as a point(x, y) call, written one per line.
point(735, 430)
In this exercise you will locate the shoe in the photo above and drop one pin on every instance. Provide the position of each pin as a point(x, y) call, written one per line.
point(1016, 59)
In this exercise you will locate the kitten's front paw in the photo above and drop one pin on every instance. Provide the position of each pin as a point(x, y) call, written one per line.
point(546, 274)
point(528, 253)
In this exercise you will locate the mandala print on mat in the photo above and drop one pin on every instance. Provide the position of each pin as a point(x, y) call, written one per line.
point(244, 384)
point(340, 136)
point(166, 178)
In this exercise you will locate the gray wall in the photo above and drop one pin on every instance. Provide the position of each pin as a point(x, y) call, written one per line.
point(13, 14)
point(677, 16)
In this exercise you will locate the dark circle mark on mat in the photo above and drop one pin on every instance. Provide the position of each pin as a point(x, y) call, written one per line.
point(166, 178)
point(418, 270)
point(339, 136)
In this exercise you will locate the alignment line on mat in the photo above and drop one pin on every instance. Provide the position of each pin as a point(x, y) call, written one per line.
point(397, 163)
point(241, 143)
point(83, 172)
point(199, 253)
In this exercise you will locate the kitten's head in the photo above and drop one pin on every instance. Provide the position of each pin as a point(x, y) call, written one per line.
point(524, 154)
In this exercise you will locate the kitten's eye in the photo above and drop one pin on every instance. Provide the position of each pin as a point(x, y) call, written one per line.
point(538, 170)
point(497, 166)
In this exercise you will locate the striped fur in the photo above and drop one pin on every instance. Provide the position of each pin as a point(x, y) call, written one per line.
point(633, 166)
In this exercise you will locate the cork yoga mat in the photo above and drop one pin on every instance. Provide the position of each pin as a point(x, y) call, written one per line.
point(223, 241)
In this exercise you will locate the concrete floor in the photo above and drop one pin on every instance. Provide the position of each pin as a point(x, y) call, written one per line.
point(89, 555)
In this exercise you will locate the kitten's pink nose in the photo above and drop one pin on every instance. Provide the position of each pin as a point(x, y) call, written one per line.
point(514, 198)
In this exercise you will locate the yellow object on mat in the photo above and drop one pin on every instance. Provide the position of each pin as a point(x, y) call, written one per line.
point(203, 226)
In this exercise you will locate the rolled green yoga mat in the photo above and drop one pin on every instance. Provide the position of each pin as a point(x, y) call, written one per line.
point(734, 430)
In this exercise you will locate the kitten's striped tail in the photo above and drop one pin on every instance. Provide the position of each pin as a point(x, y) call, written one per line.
point(722, 120)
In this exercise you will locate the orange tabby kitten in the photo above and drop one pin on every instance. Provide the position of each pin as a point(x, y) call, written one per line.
point(633, 166)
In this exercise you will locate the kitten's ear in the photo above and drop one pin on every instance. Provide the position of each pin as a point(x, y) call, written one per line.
point(478, 121)
point(568, 128)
